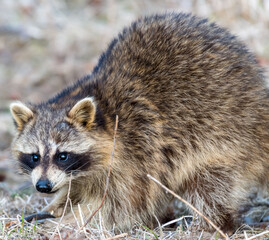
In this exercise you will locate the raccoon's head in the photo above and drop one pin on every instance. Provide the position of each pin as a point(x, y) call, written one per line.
point(51, 143)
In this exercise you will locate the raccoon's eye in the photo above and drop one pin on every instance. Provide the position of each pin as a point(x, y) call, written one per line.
point(35, 157)
point(62, 157)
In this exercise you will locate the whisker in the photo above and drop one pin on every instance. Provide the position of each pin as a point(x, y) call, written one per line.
point(25, 187)
point(71, 165)
point(65, 170)
point(81, 166)
point(25, 167)
point(58, 183)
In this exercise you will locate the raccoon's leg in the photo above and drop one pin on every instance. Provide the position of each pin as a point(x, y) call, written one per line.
point(56, 207)
point(78, 215)
point(217, 191)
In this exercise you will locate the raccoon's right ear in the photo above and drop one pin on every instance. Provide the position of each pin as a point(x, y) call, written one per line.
point(83, 112)
point(21, 114)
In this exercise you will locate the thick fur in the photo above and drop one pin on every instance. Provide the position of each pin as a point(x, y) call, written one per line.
point(193, 112)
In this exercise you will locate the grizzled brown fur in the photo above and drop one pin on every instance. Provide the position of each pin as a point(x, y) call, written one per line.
point(193, 112)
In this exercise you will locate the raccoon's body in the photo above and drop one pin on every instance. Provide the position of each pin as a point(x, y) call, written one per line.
point(193, 112)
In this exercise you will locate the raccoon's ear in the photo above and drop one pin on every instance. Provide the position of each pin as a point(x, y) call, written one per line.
point(83, 113)
point(21, 114)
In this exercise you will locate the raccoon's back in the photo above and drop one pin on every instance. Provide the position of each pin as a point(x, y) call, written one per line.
point(182, 66)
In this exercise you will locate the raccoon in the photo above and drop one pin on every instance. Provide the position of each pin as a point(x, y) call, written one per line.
point(193, 111)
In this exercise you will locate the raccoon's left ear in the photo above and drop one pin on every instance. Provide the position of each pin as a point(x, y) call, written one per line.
point(83, 113)
point(21, 114)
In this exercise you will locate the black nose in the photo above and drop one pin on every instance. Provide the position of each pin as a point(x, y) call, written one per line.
point(43, 186)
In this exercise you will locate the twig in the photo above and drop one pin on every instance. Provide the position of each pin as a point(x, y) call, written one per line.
point(175, 220)
point(118, 236)
point(65, 206)
point(81, 219)
point(74, 215)
point(67, 198)
point(160, 226)
point(188, 204)
point(258, 235)
point(108, 175)
point(59, 233)
point(200, 237)
point(245, 235)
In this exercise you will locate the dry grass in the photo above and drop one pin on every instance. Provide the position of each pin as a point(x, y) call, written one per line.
point(12, 226)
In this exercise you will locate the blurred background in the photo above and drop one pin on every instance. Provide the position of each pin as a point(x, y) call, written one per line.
point(46, 45)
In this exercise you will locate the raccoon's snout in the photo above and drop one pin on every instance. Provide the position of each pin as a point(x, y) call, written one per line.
point(44, 186)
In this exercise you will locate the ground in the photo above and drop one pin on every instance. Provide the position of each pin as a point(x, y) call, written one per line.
point(46, 45)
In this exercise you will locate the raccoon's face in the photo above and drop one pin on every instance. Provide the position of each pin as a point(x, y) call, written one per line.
point(51, 143)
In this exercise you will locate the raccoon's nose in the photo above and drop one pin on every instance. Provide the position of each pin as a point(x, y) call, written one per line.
point(43, 186)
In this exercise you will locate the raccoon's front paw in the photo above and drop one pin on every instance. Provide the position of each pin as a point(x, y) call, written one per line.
point(58, 212)
point(53, 210)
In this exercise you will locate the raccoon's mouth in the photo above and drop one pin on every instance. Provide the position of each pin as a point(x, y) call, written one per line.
point(53, 191)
